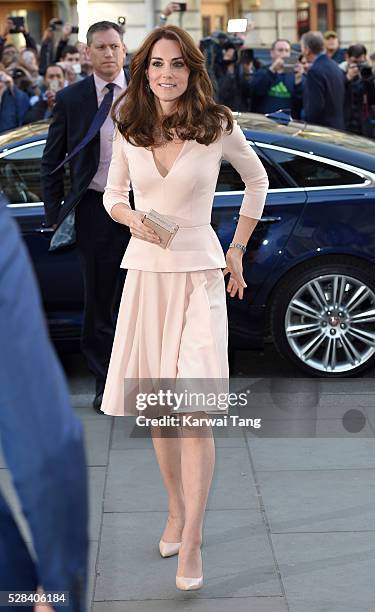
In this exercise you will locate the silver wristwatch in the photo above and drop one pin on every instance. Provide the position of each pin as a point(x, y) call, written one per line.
point(237, 245)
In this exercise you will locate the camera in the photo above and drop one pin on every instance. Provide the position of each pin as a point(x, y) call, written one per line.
point(246, 56)
point(365, 70)
point(74, 29)
point(55, 23)
point(18, 23)
point(182, 6)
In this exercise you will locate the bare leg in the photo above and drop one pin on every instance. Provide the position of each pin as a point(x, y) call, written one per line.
point(197, 467)
point(168, 454)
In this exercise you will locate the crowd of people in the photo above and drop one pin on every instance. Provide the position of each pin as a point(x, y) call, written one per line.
point(337, 92)
point(291, 81)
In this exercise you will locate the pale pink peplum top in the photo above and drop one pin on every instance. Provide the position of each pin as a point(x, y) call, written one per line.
point(185, 195)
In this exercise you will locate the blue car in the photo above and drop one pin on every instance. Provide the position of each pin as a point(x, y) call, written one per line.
point(310, 265)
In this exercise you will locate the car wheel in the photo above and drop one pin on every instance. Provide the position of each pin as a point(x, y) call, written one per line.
point(323, 317)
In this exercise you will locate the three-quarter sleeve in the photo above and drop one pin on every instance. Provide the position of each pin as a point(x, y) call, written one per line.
point(240, 154)
point(118, 183)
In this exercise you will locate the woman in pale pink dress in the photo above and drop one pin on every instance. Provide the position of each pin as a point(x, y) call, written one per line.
point(172, 320)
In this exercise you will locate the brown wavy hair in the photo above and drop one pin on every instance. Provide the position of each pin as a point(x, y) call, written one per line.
point(197, 116)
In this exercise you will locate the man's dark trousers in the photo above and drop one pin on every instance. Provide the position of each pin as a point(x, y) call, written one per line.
point(101, 245)
point(101, 241)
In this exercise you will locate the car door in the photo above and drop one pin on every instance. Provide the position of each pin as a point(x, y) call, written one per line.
point(340, 213)
point(58, 273)
point(284, 205)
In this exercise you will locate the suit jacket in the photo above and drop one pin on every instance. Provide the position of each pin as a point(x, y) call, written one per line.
point(324, 93)
point(73, 114)
point(41, 440)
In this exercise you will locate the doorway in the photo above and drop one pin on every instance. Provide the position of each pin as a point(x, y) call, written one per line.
point(315, 15)
point(36, 15)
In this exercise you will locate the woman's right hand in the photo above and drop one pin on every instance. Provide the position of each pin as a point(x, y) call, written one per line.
point(138, 230)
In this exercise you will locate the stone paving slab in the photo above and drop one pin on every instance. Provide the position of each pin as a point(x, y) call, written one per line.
point(327, 572)
point(134, 481)
point(312, 454)
point(319, 500)
point(237, 558)
point(97, 435)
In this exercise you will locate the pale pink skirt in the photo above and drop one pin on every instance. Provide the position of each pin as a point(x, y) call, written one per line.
point(170, 325)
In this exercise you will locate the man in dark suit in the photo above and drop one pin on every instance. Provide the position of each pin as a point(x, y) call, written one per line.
point(83, 129)
point(324, 90)
point(42, 442)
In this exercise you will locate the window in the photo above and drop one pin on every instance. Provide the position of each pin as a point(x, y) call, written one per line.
point(230, 180)
point(308, 172)
point(20, 175)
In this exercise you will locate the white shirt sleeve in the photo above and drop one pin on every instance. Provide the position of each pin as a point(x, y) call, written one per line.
point(118, 184)
point(240, 154)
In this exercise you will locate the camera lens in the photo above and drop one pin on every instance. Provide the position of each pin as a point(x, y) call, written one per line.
point(366, 72)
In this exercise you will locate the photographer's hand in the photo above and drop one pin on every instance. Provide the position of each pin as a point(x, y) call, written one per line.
point(47, 35)
point(277, 65)
point(6, 82)
point(66, 31)
point(51, 99)
point(172, 7)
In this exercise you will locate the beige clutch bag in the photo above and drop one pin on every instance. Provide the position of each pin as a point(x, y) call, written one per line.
point(162, 226)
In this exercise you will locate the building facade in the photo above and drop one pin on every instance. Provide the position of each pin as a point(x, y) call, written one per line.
point(354, 20)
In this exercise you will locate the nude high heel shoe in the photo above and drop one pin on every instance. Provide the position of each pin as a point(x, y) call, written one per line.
point(189, 584)
point(168, 549)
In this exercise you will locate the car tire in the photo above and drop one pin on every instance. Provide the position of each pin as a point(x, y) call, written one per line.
point(317, 320)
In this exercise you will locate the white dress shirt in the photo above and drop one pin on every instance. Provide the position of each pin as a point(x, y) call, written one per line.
point(106, 131)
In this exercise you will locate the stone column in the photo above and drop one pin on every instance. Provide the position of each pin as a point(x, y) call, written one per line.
point(272, 18)
point(142, 15)
point(355, 21)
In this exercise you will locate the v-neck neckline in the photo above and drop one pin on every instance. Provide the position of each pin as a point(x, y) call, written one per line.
point(174, 162)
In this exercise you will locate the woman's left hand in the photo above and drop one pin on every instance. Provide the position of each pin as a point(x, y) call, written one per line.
point(234, 267)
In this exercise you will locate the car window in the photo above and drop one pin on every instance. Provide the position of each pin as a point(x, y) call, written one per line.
point(230, 180)
point(307, 172)
point(20, 175)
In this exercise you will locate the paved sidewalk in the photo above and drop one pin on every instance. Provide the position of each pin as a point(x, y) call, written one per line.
point(290, 523)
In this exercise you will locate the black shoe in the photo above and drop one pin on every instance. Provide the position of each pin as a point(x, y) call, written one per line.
point(98, 402)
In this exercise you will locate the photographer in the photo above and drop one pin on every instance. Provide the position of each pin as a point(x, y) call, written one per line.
point(70, 62)
point(48, 54)
point(211, 48)
point(13, 103)
point(234, 76)
point(359, 91)
point(10, 28)
point(54, 80)
point(278, 86)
